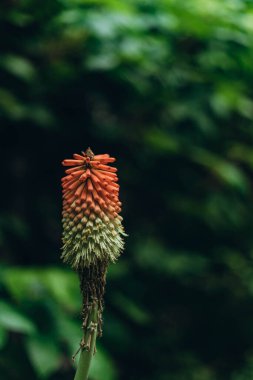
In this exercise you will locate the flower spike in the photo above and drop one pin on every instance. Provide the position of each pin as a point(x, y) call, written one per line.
point(92, 229)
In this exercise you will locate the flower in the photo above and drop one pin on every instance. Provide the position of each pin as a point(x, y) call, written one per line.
point(92, 228)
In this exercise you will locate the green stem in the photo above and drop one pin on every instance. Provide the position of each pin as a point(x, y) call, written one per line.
point(88, 345)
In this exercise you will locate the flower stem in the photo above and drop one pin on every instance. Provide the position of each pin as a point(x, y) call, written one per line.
point(88, 345)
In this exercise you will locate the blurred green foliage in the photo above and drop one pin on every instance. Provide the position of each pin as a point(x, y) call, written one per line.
point(165, 86)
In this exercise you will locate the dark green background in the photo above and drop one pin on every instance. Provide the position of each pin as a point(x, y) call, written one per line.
point(165, 86)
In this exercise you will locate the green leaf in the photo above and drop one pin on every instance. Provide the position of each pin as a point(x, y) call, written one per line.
point(153, 255)
point(162, 142)
point(12, 106)
point(23, 283)
point(226, 171)
point(69, 331)
point(18, 66)
point(44, 354)
point(102, 367)
point(13, 320)
point(3, 337)
point(131, 309)
point(63, 286)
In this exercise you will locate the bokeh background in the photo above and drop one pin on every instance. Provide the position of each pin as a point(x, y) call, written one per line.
point(166, 87)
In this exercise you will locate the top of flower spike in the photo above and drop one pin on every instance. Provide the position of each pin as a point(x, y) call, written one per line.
point(86, 157)
point(91, 184)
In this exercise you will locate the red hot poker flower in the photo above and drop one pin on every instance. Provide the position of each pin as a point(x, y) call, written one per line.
point(92, 229)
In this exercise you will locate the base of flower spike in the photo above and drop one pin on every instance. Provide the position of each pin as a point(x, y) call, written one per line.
point(96, 240)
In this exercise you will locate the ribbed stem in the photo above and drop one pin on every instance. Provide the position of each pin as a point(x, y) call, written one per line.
point(88, 344)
